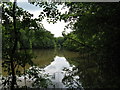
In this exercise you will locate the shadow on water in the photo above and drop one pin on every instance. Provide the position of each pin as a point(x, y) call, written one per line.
point(45, 57)
point(68, 69)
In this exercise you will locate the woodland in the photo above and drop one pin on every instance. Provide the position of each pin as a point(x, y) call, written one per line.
point(95, 35)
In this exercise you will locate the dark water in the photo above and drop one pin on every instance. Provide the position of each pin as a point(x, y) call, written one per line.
point(82, 70)
point(45, 57)
point(71, 70)
point(56, 64)
point(79, 71)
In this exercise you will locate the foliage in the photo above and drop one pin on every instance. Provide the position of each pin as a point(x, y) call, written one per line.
point(95, 31)
point(70, 42)
point(71, 80)
point(97, 26)
point(59, 41)
point(20, 31)
point(39, 79)
point(12, 57)
point(43, 39)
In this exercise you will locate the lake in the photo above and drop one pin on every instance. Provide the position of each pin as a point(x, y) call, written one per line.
point(67, 69)
point(55, 63)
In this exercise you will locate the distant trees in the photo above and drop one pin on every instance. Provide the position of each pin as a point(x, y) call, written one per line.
point(96, 30)
point(59, 42)
point(43, 39)
point(20, 31)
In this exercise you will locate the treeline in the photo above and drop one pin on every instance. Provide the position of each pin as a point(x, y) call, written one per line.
point(38, 39)
point(31, 33)
point(20, 34)
point(96, 30)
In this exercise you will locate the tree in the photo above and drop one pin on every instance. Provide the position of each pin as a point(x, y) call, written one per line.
point(12, 57)
point(19, 36)
point(95, 25)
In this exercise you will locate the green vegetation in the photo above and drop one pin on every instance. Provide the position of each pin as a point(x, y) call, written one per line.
point(20, 34)
point(59, 42)
point(96, 32)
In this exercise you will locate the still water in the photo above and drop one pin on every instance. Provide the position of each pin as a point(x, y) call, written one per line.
point(45, 57)
point(73, 70)
point(68, 69)
point(54, 63)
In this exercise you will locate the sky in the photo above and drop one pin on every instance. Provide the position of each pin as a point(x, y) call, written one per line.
point(55, 29)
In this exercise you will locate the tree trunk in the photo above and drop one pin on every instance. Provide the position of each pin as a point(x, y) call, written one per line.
point(13, 82)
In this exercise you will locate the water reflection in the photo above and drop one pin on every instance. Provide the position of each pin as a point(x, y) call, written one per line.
point(69, 69)
point(55, 69)
point(45, 57)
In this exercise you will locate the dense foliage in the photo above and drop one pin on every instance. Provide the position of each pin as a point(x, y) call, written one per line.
point(20, 34)
point(96, 28)
point(96, 31)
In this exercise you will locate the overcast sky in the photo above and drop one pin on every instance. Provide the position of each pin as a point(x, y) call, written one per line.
point(55, 29)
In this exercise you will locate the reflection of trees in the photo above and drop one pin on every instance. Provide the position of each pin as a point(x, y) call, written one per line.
point(91, 73)
point(44, 57)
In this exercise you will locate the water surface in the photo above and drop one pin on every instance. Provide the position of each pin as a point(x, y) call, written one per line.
point(54, 62)
point(68, 69)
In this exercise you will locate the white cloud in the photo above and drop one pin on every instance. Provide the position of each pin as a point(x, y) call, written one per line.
point(63, 10)
point(56, 28)
point(29, 7)
point(35, 13)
